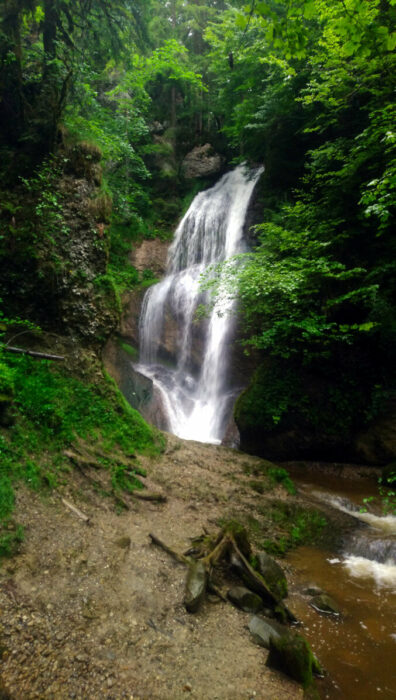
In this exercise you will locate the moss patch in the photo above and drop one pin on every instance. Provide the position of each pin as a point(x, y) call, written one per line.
point(53, 409)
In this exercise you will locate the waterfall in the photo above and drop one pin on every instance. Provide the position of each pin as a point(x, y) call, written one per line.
point(192, 380)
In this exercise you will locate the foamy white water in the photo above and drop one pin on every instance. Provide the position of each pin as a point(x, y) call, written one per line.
point(370, 552)
point(386, 523)
point(196, 399)
point(384, 574)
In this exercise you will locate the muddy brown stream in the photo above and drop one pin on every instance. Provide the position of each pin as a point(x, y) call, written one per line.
point(358, 649)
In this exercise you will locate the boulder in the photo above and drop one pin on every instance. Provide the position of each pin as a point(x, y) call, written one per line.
point(202, 161)
point(244, 599)
point(273, 574)
point(262, 629)
point(291, 654)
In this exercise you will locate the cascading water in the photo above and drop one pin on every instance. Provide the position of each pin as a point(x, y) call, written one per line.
point(369, 552)
point(194, 390)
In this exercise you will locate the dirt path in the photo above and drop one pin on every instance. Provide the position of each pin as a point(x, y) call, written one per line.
point(95, 611)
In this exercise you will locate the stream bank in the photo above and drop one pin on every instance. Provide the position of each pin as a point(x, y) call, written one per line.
point(95, 611)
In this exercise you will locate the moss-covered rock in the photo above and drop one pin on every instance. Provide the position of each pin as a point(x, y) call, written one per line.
point(273, 574)
point(323, 603)
point(244, 599)
point(291, 654)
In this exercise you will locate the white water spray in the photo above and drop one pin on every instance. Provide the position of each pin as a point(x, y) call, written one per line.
point(371, 552)
point(196, 399)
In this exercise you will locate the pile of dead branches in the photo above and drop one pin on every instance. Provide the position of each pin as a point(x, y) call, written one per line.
point(230, 550)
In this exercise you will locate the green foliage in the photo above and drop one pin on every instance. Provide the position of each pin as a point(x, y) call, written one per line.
point(6, 381)
point(296, 526)
point(61, 407)
point(48, 208)
point(11, 536)
point(386, 492)
point(278, 475)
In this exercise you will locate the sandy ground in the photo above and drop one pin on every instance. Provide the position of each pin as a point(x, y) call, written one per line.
point(94, 611)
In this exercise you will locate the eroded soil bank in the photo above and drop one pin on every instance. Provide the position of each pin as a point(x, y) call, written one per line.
point(95, 611)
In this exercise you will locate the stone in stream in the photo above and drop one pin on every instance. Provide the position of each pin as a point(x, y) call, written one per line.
point(262, 630)
point(244, 599)
point(323, 603)
point(312, 589)
point(195, 590)
point(291, 654)
point(273, 574)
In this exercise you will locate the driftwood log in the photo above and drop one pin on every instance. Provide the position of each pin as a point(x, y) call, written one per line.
point(231, 547)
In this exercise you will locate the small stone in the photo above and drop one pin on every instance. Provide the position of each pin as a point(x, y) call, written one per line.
point(325, 604)
point(123, 542)
point(312, 589)
point(187, 687)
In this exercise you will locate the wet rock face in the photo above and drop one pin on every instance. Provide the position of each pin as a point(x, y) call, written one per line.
point(138, 390)
point(202, 161)
point(378, 443)
point(132, 304)
point(86, 298)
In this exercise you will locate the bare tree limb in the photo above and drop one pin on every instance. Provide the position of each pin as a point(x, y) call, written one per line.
point(33, 353)
point(76, 511)
point(175, 555)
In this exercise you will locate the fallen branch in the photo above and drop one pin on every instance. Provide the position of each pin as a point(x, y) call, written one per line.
point(216, 591)
point(33, 353)
point(147, 496)
point(80, 461)
point(255, 582)
point(76, 511)
point(175, 555)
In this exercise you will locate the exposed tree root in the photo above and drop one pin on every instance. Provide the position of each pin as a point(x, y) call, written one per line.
point(230, 548)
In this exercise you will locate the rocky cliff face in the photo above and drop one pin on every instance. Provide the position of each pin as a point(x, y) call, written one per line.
point(202, 161)
point(289, 413)
point(139, 391)
point(55, 250)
